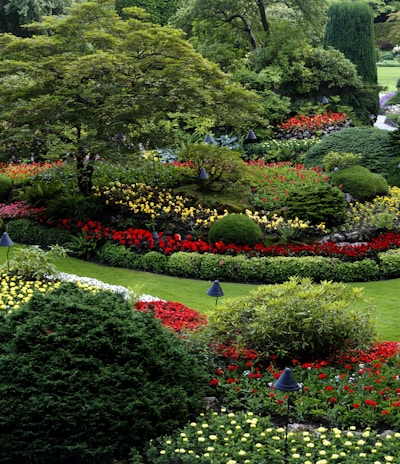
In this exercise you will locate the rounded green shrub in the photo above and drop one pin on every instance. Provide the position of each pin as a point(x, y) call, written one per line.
point(84, 378)
point(5, 187)
point(297, 319)
point(373, 144)
point(235, 228)
point(360, 183)
point(317, 203)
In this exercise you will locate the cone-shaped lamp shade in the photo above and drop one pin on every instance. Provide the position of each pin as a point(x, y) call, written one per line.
point(250, 137)
point(208, 139)
point(324, 100)
point(287, 382)
point(215, 290)
point(203, 174)
point(5, 240)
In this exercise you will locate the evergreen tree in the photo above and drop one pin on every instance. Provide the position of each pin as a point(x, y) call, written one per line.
point(350, 30)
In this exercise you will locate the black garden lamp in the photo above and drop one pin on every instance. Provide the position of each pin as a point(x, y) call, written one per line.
point(324, 100)
point(5, 241)
point(203, 176)
point(251, 137)
point(208, 139)
point(287, 383)
point(216, 291)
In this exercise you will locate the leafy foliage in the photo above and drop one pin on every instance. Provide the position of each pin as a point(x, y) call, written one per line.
point(297, 319)
point(102, 377)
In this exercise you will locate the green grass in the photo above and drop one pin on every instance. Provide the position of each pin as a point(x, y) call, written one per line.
point(387, 77)
point(384, 295)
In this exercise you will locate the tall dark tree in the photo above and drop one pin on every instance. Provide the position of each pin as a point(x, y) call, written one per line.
point(350, 29)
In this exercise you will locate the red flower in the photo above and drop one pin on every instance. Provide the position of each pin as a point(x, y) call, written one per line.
point(356, 405)
point(214, 382)
point(322, 376)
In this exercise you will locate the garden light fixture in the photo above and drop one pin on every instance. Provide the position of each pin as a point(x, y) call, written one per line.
point(215, 290)
point(287, 383)
point(250, 137)
point(208, 139)
point(5, 241)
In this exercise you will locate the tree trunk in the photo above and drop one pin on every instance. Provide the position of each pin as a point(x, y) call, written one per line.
point(246, 28)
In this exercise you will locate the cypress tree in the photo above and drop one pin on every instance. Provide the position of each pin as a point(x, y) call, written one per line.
point(350, 29)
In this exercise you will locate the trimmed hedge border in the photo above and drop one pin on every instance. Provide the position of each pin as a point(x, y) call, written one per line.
point(208, 266)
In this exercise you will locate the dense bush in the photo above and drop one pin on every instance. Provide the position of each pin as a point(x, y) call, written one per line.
point(360, 183)
point(317, 203)
point(117, 255)
point(30, 233)
point(372, 143)
point(5, 187)
point(84, 378)
point(235, 228)
point(297, 319)
point(223, 166)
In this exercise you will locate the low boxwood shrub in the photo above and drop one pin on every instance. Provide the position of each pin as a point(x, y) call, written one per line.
point(281, 268)
point(297, 319)
point(85, 378)
point(360, 183)
point(238, 229)
point(29, 232)
point(153, 261)
point(358, 271)
point(182, 264)
point(389, 264)
point(119, 256)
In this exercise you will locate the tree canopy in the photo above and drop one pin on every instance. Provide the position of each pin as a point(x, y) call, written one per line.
point(88, 82)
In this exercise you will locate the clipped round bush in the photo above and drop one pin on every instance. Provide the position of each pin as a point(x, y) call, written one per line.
point(5, 187)
point(235, 228)
point(85, 378)
point(373, 144)
point(317, 203)
point(360, 183)
point(295, 320)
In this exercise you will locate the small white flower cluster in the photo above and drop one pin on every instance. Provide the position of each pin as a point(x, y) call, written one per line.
point(396, 49)
point(128, 294)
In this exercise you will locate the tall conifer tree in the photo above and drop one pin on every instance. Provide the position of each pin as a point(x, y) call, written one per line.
point(350, 29)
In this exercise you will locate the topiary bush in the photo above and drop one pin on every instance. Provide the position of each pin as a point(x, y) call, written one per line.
point(237, 229)
point(84, 378)
point(360, 183)
point(373, 144)
point(297, 319)
point(317, 203)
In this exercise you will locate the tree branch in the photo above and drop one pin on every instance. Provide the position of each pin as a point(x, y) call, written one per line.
point(246, 28)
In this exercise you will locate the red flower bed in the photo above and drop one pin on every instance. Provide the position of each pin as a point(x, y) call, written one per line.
point(174, 315)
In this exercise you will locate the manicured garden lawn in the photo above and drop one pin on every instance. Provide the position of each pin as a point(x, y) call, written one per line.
point(193, 293)
point(387, 77)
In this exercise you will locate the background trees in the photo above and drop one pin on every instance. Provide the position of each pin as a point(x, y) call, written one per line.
point(15, 13)
point(91, 84)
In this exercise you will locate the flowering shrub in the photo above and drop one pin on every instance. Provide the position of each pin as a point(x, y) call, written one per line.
point(153, 204)
point(382, 213)
point(21, 209)
point(312, 126)
point(272, 182)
